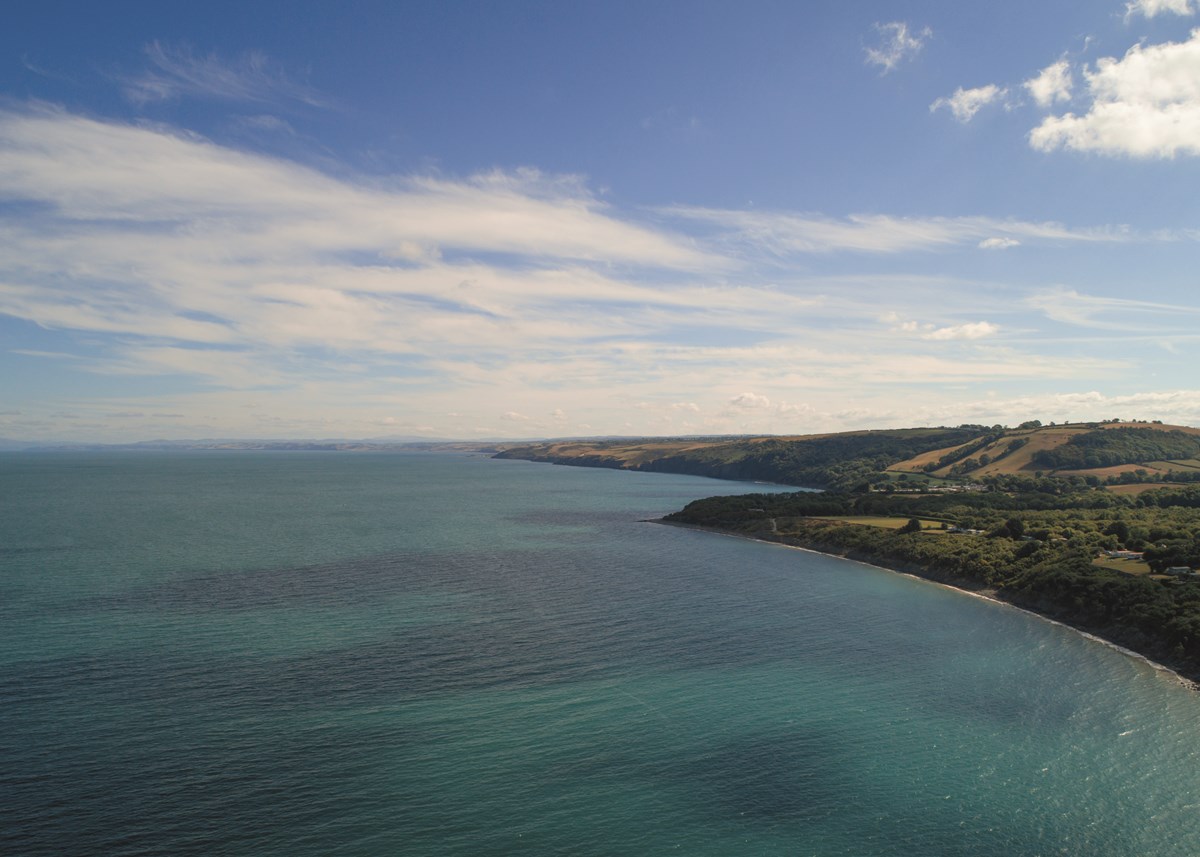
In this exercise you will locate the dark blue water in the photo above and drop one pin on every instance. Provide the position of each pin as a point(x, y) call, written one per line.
point(295, 653)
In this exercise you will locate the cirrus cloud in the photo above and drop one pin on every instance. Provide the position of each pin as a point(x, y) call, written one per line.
point(176, 71)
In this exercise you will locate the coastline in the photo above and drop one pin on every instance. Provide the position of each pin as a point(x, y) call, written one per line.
point(963, 588)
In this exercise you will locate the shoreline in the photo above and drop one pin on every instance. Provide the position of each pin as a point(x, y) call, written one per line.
point(982, 593)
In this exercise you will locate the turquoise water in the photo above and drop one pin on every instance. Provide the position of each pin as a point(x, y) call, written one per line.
point(313, 653)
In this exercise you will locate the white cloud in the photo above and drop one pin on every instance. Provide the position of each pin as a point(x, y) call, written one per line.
point(122, 177)
point(965, 103)
point(1146, 105)
point(1052, 84)
point(1181, 407)
point(783, 233)
point(1151, 8)
point(1069, 306)
point(972, 330)
point(175, 71)
point(896, 45)
point(750, 400)
point(998, 243)
point(276, 288)
point(227, 266)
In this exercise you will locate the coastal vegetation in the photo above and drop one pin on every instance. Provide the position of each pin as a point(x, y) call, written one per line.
point(1049, 552)
point(825, 461)
point(1093, 524)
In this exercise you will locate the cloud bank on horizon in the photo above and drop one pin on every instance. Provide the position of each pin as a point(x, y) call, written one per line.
point(241, 239)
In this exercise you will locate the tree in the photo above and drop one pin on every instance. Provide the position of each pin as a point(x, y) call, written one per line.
point(1118, 528)
point(1013, 528)
point(913, 526)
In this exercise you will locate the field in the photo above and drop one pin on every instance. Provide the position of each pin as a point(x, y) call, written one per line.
point(918, 463)
point(1115, 470)
point(1183, 464)
point(1014, 452)
point(885, 523)
point(1125, 566)
point(1016, 461)
point(1136, 488)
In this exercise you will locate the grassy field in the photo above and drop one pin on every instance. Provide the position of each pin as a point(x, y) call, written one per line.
point(1044, 438)
point(917, 464)
point(885, 523)
point(1125, 566)
point(1138, 487)
point(1019, 460)
point(1183, 464)
point(1115, 470)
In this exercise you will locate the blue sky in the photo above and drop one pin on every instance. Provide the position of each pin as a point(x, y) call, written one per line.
point(521, 219)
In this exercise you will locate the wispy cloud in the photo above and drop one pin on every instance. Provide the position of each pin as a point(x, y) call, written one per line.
point(965, 103)
point(226, 266)
point(786, 233)
point(268, 286)
point(177, 71)
point(31, 65)
point(672, 120)
point(971, 330)
point(1107, 313)
point(897, 44)
point(137, 179)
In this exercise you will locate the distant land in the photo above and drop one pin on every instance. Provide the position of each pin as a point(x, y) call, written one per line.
point(321, 445)
point(1114, 452)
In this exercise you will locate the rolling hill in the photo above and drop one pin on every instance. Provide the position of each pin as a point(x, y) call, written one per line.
point(912, 458)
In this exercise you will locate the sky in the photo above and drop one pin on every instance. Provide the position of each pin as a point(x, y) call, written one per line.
point(485, 220)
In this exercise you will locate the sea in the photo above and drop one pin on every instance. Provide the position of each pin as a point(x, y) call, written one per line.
point(314, 653)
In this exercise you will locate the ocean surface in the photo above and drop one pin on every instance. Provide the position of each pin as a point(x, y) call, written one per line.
point(247, 653)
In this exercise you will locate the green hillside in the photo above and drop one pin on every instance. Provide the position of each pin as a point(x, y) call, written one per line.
point(822, 461)
point(905, 459)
